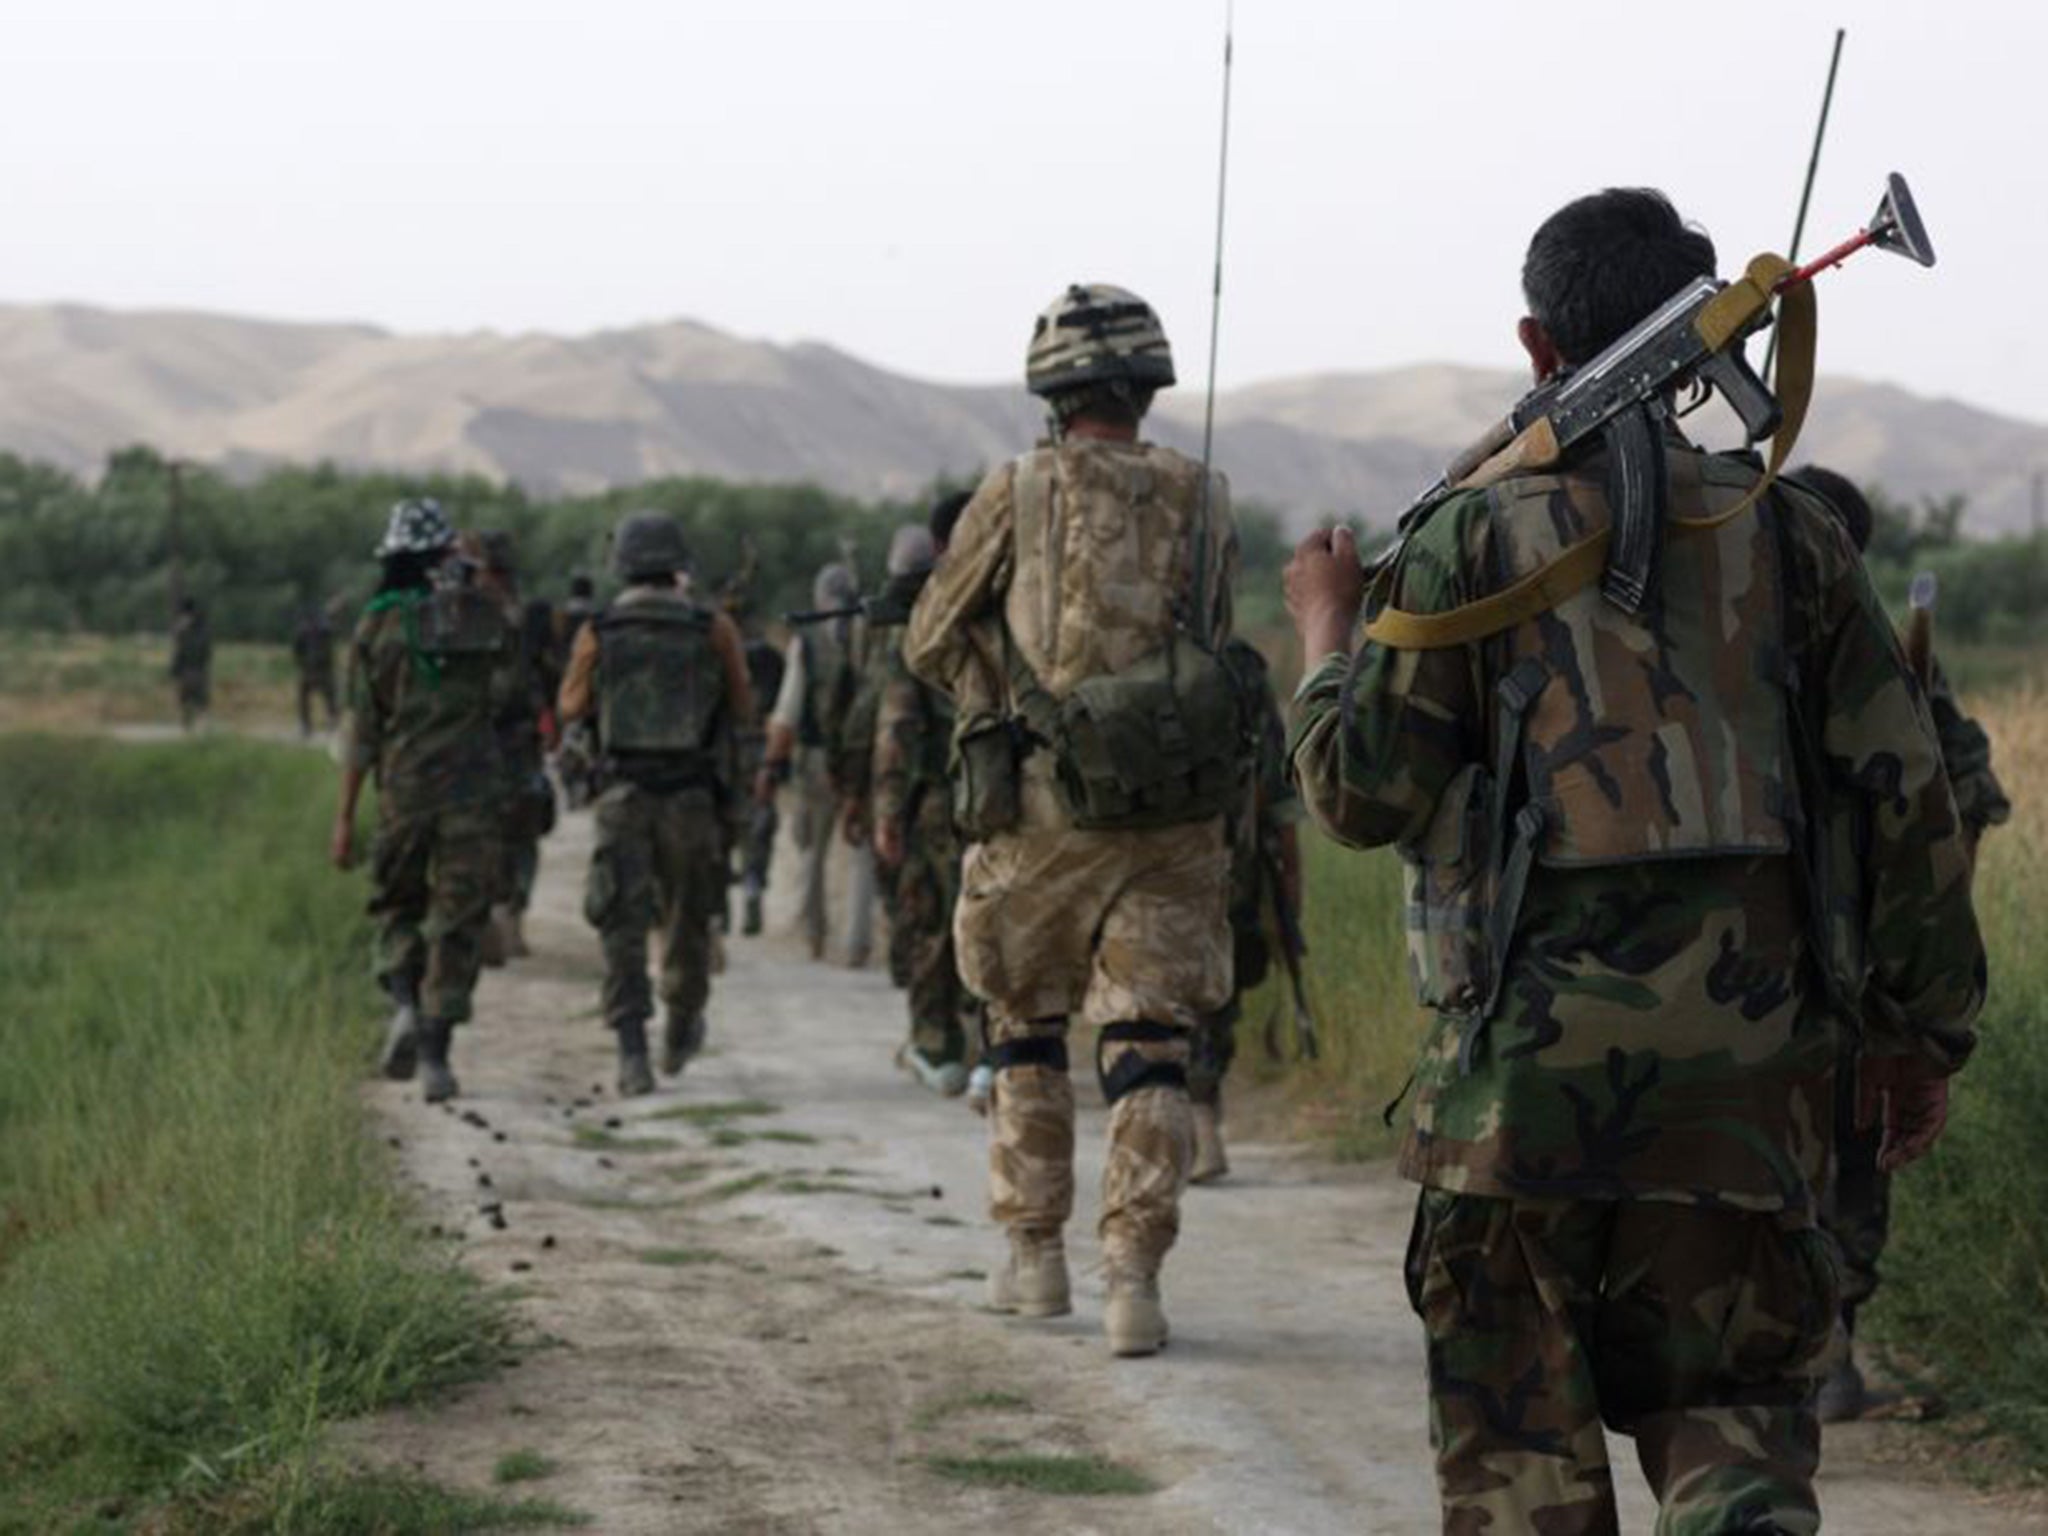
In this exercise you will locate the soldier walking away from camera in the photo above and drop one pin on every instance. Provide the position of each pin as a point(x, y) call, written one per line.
point(1623, 1109)
point(1265, 850)
point(757, 835)
point(575, 757)
point(915, 843)
point(528, 809)
point(804, 730)
point(1857, 1208)
point(313, 656)
point(192, 663)
point(664, 680)
point(1074, 624)
point(427, 668)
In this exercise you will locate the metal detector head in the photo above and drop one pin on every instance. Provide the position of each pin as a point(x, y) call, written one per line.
point(1896, 225)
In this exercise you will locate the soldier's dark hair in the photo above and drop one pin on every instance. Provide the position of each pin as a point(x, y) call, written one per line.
point(945, 514)
point(410, 570)
point(1843, 499)
point(1598, 265)
point(1112, 400)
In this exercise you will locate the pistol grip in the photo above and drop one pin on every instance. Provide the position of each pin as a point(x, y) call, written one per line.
point(1730, 374)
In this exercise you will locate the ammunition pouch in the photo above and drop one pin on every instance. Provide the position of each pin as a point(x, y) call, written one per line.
point(986, 770)
point(1132, 1070)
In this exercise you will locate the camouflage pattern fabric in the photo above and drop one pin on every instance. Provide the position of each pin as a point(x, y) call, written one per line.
point(527, 803)
point(422, 694)
point(658, 865)
point(433, 872)
point(1696, 1331)
point(756, 837)
point(1641, 1001)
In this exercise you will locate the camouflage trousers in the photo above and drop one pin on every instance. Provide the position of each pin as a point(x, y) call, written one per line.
point(1697, 1331)
point(923, 892)
point(432, 874)
point(817, 815)
point(1857, 1210)
point(1127, 930)
point(1213, 1046)
point(659, 862)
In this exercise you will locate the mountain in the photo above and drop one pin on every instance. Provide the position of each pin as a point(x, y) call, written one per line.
point(582, 412)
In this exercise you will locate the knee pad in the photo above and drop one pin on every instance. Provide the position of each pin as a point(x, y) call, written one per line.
point(1026, 1051)
point(1134, 1070)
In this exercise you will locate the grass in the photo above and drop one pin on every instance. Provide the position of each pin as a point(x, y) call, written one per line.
point(732, 1189)
point(947, 1409)
point(1066, 1476)
point(524, 1465)
point(202, 1256)
point(593, 1138)
point(1966, 1276)
point(379, 1503)
point(77, 682)
point(717, 1113)
point(681, 1258)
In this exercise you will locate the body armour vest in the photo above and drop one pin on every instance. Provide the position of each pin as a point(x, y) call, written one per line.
point(1617, 738)
point(660, 684)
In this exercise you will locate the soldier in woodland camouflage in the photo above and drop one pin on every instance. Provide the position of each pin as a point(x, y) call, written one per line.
point(1640, 851)
point(428, 666)
point(1262, 831)
point(192, 663)
point(663, 679)
point(1857, 1207)
point(1073, 624)
point(913, 813)
point(313, 657)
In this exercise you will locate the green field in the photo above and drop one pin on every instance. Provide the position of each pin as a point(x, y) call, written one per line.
point(203, 1258)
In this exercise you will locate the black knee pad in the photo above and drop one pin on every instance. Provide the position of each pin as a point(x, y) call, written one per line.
point(1027, 1051)
point(1133, 1071)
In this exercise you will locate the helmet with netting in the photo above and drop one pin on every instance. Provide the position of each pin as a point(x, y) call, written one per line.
point(1097, 333)
point(418, 526)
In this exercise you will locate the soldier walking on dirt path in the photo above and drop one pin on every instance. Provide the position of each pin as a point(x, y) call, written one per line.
point(192, 663)
point(1263, 828)
point(915, 843)
point(1857, 1208)
point(664, 680)
point(1622, 1114)
point(1074, 624)
point(428, 668)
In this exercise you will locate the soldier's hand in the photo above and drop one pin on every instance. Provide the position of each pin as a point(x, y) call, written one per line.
point(1325, 586)
point(889, 841)
point(341, 847)
point(1909, 1098)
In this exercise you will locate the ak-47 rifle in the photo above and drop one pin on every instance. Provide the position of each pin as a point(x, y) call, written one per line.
point(891, 605)
point(1920, 627)
point(1293, 950)
point(1696, 336)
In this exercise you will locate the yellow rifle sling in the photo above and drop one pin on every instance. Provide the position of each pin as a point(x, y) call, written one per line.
point(1580, 565)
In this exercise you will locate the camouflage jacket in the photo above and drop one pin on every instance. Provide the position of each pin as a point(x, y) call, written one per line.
point(1270, 801)
point(428, 674)
point(1966, 753)
point(913, 731)
point(1077, 596)
point(1661, 1030)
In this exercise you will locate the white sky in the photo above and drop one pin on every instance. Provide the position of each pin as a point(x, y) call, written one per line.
point(911, 179)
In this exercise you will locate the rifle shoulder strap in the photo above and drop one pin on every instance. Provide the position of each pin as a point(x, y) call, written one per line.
point(1581, 564)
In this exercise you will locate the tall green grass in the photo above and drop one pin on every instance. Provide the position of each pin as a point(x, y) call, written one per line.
point(202, 1259)
point(1965, 1294)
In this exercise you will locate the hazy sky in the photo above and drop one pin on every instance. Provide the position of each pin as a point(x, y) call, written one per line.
point(912, 179)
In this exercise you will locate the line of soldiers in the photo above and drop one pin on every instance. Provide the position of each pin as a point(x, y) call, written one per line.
point(1675, 877)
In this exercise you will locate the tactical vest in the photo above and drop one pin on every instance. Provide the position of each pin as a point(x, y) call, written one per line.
point(829, 682)
point(1156, 742)
point(660, 683)
point(1616, 739)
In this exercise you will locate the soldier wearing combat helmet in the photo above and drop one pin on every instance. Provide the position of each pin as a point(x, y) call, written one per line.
point(663, 679)
point(1074, 624)
point(1611, 818)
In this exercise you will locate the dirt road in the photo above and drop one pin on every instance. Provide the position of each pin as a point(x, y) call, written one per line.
point(759, 1292)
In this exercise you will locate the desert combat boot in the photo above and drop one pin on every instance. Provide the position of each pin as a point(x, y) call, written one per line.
point(1132, 1318)
point(1033, 1283)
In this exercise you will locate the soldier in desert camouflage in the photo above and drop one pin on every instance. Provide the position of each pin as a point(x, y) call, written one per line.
point(1074, 623)
point(1624, 1108)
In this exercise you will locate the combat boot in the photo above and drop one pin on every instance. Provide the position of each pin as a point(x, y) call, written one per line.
point(1132, 1318)
point(750, 921)
point(636, 1077)
point(401, 1042)
point(1210, 1162)
point(437, 1082)
point(948, 1079)
point(981, 1087)
point(682, 1037)
point(490, 943)
point(1033, 1283)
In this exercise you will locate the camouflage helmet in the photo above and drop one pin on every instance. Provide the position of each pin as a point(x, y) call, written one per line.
point(835, 587)
point(418, 526)
point(648, 544)
point(1096, 333)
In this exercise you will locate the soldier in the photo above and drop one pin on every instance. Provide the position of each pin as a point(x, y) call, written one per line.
point(913, 815)
point(1074, 623)
point(1622, 1110)
point(757, 838)
point(427, 666)
point(574, 755)
point(313, 654)
point(1857, 1209)
point(528, 807)
point(1264, 842)
point(192, 663)
point(663, 679)
point(803, 736)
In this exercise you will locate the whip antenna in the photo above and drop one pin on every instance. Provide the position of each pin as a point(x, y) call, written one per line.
point(1216, 286)
point(1820, 133)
